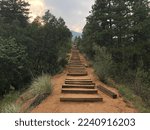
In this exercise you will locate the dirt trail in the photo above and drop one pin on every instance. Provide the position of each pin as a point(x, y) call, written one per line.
point(52, 103)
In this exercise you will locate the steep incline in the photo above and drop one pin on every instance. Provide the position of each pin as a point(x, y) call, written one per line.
point(78, 89)
point(75, 90)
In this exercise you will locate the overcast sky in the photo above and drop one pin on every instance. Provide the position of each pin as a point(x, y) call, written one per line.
point(72, 11)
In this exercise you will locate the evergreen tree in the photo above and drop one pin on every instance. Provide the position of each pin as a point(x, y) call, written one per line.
point(12, 10)
point(122, 27)
point(29, 49)
point(13, 65)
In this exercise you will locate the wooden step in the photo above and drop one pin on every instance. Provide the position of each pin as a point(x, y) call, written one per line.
point(77, 58)
point(78, 86)
point(77, 74)
point(107, 92)
point(79, 90)
point(75, 65)
point(80, 82)
point(72, 70)
point(77, 79)
point(79, 71)
point(76, 68)
point(72, 61)
point(80, 98)
point(74, 58)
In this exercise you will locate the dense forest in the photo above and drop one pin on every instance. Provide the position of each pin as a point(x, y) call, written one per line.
point(116, 38)
point(28, 50)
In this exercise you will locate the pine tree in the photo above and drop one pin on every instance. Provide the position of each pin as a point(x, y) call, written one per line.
point(123, 28)
point(140, 20)
point(12, 10)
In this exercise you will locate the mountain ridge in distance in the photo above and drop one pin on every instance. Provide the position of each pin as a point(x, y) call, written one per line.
point(74, 34)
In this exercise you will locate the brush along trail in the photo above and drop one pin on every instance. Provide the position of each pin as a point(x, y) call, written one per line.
point(78, 90)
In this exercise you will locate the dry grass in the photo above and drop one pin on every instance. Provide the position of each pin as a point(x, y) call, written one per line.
point(39, 86)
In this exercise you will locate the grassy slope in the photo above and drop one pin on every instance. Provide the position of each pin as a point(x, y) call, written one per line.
point(39, 86)
point(130, 96)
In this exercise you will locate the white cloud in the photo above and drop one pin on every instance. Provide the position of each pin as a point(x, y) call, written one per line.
point(76, 27)
point(37, 8)
point(72, 11)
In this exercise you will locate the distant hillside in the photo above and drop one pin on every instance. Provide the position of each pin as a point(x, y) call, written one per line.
point(74, 34)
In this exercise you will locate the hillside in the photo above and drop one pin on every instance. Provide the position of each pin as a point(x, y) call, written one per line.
point(74, 34)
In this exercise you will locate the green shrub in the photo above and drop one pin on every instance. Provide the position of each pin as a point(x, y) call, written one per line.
point(142, 85)
point(126, 92)
point(13, 65)
point(130, 95)
point(103, 62)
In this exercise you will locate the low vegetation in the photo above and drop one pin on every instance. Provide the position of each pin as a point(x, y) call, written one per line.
point(39, 89)
point(8, 103)
point(10, 108)
point(130, 97)
point(103, 63)
point(39, 86)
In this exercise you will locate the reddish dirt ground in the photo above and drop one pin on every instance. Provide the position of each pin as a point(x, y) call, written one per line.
point(52, 103)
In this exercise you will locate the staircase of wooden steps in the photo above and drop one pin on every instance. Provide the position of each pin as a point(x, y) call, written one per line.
point(78, 87)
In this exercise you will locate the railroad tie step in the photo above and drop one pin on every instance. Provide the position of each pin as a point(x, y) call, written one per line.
point(79, 90)
point(77, 74)
point(76, 70)
point(76, 79)
point(78, 86)
point(80, 98)
point(107, 92)
point(75, 64)
point(76, 67)
point(72, 70)
point(80, 82)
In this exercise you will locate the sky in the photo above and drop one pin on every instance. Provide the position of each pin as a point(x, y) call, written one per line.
point(74, 12)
